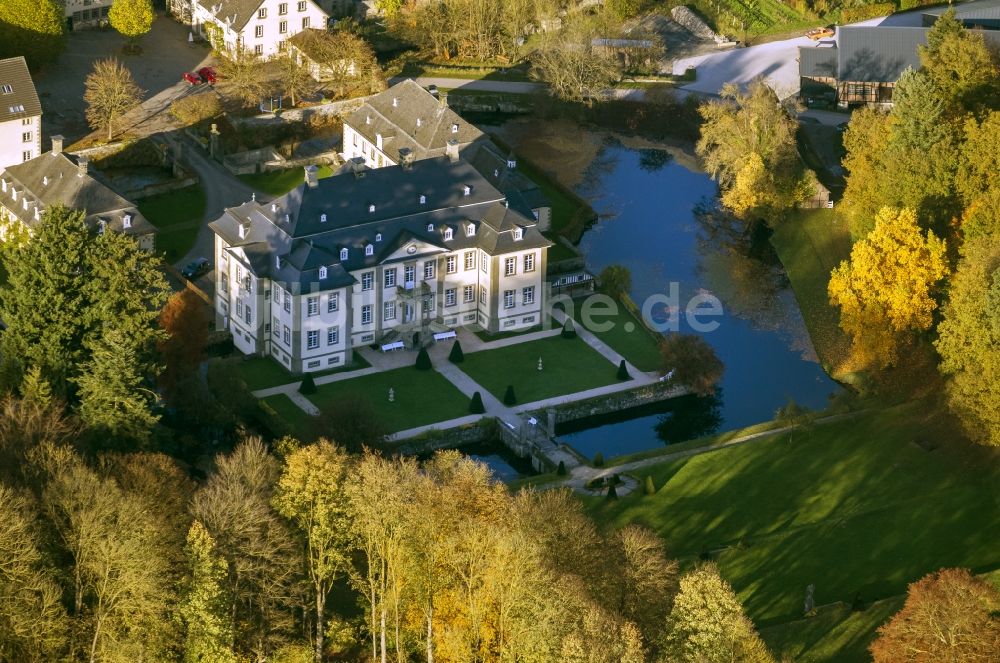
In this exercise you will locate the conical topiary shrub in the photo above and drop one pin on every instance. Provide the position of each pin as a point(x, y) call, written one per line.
point(423, 360)
point(508, 396)
point(623, 371)
point(650, 489)
point(561, 470)
point(612, 492)
point(456, 356)
point(598, 459)
point(476, 404)
point(308, 385)
point(569, 329)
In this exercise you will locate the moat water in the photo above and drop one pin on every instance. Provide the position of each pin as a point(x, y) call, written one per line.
point(658, 218)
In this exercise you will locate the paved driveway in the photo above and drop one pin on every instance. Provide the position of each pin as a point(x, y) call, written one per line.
point(777, 61)
point(166, 55)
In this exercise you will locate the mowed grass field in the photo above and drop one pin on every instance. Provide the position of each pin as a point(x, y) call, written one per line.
point(420, 397)
point(568, 366)
point(858, 507)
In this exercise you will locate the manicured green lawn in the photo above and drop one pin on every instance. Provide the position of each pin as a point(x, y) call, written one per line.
point(421, 397)
point(280, 182)
point(264, 372)
point(853, 507)
point(628, 336)
point(291, 419)
point(178, 217)
point(810, 245)
point(568, 366)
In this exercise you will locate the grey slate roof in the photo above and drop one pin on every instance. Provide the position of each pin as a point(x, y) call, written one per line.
point(240, 11)
point(523, 194)
point(818, 61)
point(22, 101)
point(981, 13)
point(55, 179)
point(877, 54)
point(292, 227)
point(408, 116)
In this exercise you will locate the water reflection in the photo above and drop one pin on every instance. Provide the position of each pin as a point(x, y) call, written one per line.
point(654, 219)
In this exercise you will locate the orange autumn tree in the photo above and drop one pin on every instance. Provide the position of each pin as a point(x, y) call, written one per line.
point(949, 615)
point(185, 319)
point(885, 291)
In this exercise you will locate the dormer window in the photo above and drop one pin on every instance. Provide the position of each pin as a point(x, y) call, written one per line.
point(430, 227)
point(3, 183)
point(454, 128)
point(127, 221)
point(45, 181)
point(368, 119)
point(343, 254)
point(423, 199)
point(511, 164)
point(101, 226)
point(371, 208)
point(449, 234)
point(395, 102)
point(322, 273)
point(518, 233)
point(277, 262)
point(496, 172)
point(470, 230)
point(419, 122)
point(378, 237)
point(322, 218)
point(244, 230)
point(369, 250)
point(466, 190)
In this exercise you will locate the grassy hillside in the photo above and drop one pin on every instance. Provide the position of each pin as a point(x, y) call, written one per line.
point(862, 506)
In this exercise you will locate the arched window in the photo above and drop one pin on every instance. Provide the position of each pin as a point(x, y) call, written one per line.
point(369, 250)
point(322, 273)
point(343, 254)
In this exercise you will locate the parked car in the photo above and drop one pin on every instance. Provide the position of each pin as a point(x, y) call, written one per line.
point(208, 75)
point(196, 268)
point(192, 78)
point(820, 33)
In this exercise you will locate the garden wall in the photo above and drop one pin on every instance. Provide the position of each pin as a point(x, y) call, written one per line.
point(622, 400)
point(484, 430)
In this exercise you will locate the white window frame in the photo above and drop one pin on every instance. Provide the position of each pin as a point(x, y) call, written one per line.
point(469, 260)
point(389, 310)
point(429, 270)
point(312, 306)
point(390, 277)
point(332, 335)
point(509, 299)
point(366, 314)
point(510, 266)
point(367, 279)
point(451, 264)
point(450, 297)
point(312, 339)
point(528, 295)
point(529, 262)
point(469, 294)
point(333, 302)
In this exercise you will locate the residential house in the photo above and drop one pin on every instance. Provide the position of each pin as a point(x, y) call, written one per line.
point(308, 47)
point(20, 114)
point(861, 65)
point(54, 178)
point(259, 26)
point(409, 122)
point(86, 13)
point(391, 255)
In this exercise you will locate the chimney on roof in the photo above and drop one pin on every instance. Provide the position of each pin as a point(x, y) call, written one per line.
point(406, 158)
point(57, 145)
point(451, 149)
point(83, 165)
point(312, 176)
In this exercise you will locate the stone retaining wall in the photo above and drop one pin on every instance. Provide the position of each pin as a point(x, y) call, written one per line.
point(622, 400)
point(485, 430)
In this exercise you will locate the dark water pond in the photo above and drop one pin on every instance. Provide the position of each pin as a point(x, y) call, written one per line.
point(658, 219)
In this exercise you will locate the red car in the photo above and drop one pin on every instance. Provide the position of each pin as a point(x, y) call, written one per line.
point(208, 75)
point(192, 78)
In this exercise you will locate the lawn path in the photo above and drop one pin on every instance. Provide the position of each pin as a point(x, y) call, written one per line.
point(582, 474)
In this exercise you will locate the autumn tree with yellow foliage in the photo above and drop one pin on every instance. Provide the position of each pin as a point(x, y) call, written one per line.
point(748, 145)
point(884, 292)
